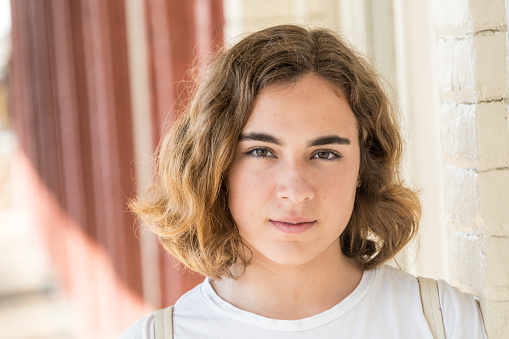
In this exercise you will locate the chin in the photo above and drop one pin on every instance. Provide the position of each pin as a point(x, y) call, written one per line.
point(289, 258)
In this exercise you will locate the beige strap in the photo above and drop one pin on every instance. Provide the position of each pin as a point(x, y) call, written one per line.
point(164, 323)
point(431, 306)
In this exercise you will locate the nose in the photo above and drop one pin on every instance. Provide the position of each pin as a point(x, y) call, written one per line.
point(294, 184)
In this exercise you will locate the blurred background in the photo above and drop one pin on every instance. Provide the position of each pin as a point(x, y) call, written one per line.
point(88, 87)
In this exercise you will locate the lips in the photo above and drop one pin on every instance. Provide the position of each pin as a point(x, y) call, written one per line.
point(293, 226)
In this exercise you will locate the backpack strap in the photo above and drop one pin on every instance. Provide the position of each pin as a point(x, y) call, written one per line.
point(431, 306)
point(164, 323)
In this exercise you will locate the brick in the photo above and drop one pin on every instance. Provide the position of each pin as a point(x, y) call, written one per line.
point(496, 318)
point(475, 135)
point(487, 14)
point(463, 67)
point(451, 16)
point(478, 67)
point(490, 65)
point(494, 202)
point(477, 202)
point(477, 267)
point(444, 52)
point(492, 135)
point(496, 268)
point(466, 255)
point(459, 17)
point(458, 134)
point(461, 197)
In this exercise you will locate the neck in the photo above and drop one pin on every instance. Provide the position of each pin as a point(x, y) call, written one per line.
point(291, 291)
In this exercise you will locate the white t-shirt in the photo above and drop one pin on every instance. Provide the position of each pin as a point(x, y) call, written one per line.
point(385, 304)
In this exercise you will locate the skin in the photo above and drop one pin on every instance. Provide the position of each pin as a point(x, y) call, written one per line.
point(292, 187)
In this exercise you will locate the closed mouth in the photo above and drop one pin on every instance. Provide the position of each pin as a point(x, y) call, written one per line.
point(292, 227)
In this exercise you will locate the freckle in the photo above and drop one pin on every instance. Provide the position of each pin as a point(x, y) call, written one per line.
point(296, 296)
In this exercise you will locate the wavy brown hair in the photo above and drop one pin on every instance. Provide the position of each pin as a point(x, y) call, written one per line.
point(187, 205)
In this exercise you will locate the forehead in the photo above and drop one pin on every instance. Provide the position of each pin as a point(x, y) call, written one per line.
point(309, 105)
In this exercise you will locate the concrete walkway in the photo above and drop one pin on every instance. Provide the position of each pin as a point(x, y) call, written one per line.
point(31, 304)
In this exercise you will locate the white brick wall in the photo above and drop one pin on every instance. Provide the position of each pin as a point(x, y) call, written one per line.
point(472, 62)
point(459, 17)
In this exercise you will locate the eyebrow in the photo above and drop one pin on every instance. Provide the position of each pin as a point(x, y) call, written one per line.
point(321, 141)
point(329, 139)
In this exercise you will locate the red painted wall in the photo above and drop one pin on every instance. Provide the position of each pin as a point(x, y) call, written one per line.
point(181, 35)
point(70, 99)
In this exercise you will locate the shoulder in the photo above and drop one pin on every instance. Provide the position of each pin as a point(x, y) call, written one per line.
point(400, 282)
point(142, 329)
point(145, 327)
point(461, 313)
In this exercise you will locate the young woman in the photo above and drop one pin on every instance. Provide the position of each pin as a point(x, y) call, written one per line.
point(280, 184)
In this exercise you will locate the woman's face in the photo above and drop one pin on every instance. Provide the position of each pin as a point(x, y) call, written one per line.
point(292, 183)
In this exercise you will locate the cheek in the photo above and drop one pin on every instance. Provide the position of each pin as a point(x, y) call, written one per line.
point(338, 188)
point(242, 189)
point(250, 194)
point(247, 181)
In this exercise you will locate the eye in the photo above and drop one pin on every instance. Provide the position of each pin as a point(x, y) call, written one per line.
point(260, 152)
point(326, 155)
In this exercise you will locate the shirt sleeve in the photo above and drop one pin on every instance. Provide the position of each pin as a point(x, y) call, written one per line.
point(461, 313)
point(142, 329)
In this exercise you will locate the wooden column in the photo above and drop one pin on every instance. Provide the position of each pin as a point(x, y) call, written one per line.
point(72, 113)
point(181, 35)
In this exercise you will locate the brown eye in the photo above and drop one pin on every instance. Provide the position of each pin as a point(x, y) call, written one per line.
point(326, 155)
point(261, 152)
